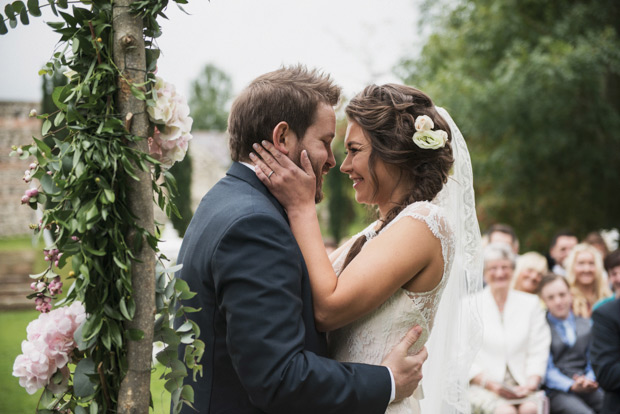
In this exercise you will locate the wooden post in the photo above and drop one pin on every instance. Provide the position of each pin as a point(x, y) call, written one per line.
point(129, 56)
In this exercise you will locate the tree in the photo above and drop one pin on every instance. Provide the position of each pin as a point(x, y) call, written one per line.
point(209, 97)
point(535, 88)
point(130, 58)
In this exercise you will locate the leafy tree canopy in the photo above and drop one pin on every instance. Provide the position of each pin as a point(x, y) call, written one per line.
point(211, 91)
point(535, 87)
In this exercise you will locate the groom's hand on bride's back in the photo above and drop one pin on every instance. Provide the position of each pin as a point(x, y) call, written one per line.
point(407, 369)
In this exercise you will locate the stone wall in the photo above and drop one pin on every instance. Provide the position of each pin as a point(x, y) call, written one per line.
point(16, 128)
point(210, 160)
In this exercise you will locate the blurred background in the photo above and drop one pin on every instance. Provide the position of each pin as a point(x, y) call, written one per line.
point(534, 86)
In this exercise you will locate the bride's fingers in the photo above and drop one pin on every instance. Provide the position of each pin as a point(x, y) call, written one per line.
point(262, 169)
point(306, 164)
point(261, 176)
point(265, 157)
point(277, 155)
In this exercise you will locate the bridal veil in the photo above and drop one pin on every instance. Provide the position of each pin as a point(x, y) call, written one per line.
point(457, 331)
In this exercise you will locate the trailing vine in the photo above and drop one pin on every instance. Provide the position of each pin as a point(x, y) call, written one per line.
point(83, 163)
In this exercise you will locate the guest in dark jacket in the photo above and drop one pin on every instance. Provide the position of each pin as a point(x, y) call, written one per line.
point(605, 353)
point(570, 382)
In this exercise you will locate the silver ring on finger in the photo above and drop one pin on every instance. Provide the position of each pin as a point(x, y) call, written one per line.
point(269, 175)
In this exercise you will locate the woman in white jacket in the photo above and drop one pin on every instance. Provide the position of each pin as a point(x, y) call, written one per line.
point(511, 364)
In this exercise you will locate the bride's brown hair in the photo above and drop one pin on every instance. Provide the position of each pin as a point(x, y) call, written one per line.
point(387, 116)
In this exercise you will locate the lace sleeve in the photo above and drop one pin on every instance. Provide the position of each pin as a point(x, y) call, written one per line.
point(437, 221)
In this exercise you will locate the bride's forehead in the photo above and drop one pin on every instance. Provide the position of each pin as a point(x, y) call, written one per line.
point(354, 134)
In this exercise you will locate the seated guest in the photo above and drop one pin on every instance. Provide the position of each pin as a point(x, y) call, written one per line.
point(570, 382)
point(503, 233)
point(596, 240)
point(561, 244)
point(530, 269)
point(605, 353)
point(511, 363)
point(584, 271)
point(612, 266)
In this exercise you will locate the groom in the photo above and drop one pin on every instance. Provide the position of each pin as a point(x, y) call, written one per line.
point(263, 353)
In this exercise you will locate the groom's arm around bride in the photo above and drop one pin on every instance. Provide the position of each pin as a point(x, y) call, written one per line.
point(262, 350)
point(263, 353)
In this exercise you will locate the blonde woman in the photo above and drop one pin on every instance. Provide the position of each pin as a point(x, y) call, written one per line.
point(584, 271)
point(530, 269)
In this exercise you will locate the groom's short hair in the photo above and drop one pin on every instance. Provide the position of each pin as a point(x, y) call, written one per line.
point(289, 94)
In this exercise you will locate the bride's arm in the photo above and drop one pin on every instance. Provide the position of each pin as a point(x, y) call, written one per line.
point(389, 262)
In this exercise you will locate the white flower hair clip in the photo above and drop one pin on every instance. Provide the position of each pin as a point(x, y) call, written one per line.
point(425, 137)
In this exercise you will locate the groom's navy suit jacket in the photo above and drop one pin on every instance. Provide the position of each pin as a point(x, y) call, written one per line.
point(262, 350)
point(605, 353)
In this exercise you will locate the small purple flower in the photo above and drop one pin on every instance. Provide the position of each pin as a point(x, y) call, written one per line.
point(55, 286)
point(32, 192)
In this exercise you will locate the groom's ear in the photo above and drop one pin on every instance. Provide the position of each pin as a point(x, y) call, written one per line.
point(283, 138)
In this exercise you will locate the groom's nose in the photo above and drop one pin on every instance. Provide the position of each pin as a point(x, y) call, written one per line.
point(331, 160)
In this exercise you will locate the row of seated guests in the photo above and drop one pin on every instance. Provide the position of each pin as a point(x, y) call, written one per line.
point(525, 350)
point(588, 266)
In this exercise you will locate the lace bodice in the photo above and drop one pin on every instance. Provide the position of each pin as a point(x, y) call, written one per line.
point(370, 338)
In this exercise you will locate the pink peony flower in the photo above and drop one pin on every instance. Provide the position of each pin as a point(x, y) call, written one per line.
point(32, 367)
point(48, 348)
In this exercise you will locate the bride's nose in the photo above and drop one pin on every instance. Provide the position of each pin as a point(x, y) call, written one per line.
point(345, 167)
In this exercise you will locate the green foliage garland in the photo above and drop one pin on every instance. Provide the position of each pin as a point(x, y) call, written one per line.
point(83, 165)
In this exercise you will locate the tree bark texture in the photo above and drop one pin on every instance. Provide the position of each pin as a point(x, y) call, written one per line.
point(129, 56)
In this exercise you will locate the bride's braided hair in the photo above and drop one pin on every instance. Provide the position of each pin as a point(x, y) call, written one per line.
point(387, 115)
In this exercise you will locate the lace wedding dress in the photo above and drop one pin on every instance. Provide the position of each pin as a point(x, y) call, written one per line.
point(370, 338)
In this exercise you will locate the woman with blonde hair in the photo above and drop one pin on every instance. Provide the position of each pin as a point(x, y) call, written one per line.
point(529, 271)
point(584, 271)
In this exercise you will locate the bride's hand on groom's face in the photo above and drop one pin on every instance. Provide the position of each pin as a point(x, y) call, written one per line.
point(291, 185)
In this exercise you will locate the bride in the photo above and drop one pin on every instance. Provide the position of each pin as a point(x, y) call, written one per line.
point(417, 264)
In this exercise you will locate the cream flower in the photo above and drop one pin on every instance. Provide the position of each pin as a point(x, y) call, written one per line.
point(424, 123)
point(171, 115)
point(430, 139)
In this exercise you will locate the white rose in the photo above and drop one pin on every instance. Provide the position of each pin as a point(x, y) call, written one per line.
point(430, 139)
point(424, 123)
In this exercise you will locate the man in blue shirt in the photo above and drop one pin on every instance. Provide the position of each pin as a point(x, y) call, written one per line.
point(570, 382)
